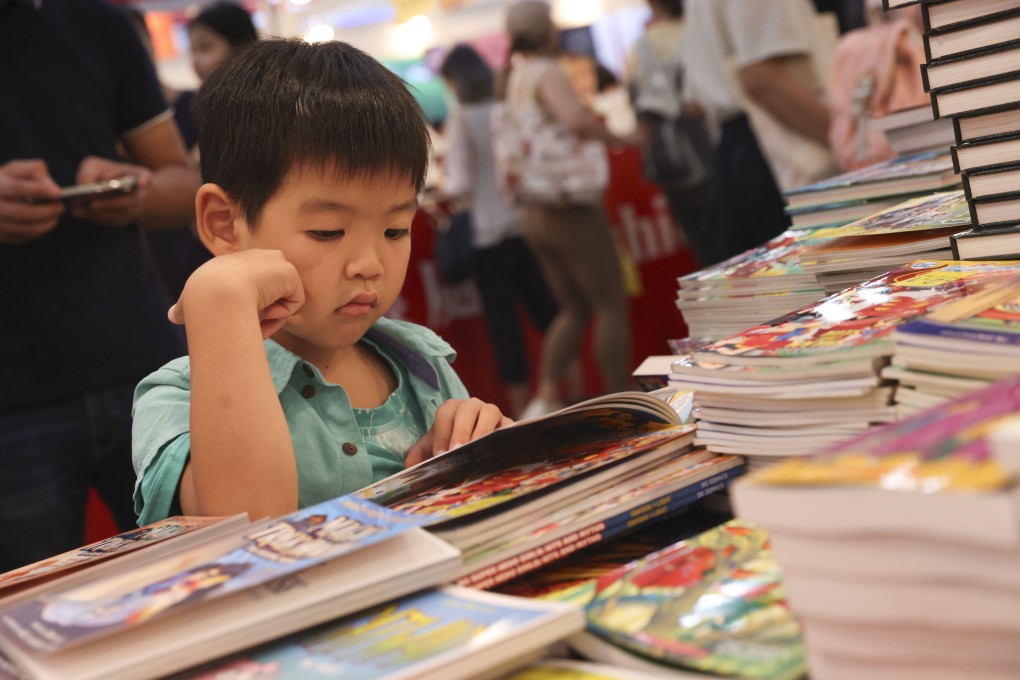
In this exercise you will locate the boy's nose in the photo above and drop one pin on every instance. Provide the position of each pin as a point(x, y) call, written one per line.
point(365, 263)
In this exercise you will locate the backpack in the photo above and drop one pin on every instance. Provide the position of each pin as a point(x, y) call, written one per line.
point(876, 70)
point(680, 150)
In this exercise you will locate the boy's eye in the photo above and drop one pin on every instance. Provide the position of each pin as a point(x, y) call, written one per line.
point(326, 235)
point(397, 234)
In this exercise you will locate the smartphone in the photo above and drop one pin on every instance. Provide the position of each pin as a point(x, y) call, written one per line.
point(120, 185)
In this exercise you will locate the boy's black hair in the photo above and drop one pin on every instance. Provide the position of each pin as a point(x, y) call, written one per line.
point(275, 104)
point(471, 76)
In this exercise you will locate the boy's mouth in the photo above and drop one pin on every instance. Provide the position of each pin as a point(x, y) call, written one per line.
point(363, 303)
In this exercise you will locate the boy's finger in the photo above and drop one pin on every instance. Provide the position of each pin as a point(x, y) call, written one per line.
point(464, 421)
point(489, 418)
point(419, 451)
point(442, 426)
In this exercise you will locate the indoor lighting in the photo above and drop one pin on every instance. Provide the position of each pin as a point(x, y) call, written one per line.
point(320, 32)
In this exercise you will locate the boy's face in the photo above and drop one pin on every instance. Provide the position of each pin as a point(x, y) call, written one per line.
point(350, 242)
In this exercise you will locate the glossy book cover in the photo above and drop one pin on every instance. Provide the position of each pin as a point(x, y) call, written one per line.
point(120, 544)
point(712, 603)
point(860, 317)
point(943, 210)
point(942, 449)
point(399, 639)
point(514, 462)
point(913, 165)
point(991, 317)
point(266, 552)
point(776, 257)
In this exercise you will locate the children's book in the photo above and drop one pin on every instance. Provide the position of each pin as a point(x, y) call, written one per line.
point(446, 634)
point(157, 533)
point(272, 578)
point(775, 260)
point(934, 212)
point(988, 320)
point(652, 496)
point(574, 579)
point(712, 603)
point(916, 173)
point(473, 491)
point(857, 322)
point(930, 475)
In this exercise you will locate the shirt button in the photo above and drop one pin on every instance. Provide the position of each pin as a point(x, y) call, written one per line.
point(308, 370)
point(308, 391)
point(350, 448)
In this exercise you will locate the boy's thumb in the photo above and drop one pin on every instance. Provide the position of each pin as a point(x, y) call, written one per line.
point(176, 314)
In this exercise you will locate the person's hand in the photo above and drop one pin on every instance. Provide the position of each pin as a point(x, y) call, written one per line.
point(263, 279)
point(117, 210)
point(458, 421)
point(30, 203)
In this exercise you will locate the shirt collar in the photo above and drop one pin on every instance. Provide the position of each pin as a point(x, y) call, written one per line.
point(283, 362)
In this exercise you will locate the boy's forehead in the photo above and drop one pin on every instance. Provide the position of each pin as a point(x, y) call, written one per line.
point(340, 177)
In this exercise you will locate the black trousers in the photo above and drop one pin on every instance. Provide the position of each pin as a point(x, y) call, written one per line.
point(750, 203)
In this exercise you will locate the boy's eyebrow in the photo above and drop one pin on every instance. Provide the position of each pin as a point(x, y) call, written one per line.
point(313, 205)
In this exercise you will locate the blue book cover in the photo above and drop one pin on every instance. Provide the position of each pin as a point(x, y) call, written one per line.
point(402, 639)
point(265, 553)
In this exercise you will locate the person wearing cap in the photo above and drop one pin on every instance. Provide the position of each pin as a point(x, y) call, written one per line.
point(573, 242)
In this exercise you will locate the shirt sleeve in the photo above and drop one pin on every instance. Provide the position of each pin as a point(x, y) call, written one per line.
point(140, 100)
point(763, 29)
point(459, 163)
point(160, 440)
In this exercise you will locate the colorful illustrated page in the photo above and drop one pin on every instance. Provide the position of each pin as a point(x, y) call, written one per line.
point(925, 213)
point(711, 603)
point(382, 641)
point(915, 165)
point(777, 257)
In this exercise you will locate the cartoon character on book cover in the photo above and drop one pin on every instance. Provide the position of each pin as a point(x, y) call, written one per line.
point(861, 314)
point(713, 603)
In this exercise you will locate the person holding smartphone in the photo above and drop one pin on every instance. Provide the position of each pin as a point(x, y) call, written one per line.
point(84, 310)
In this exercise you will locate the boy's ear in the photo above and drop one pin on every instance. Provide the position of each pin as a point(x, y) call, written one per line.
point(217, 220)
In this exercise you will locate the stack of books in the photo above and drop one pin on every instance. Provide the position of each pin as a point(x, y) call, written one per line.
point(900, 550)
point(914, 130)
point(811, 378)
point(842, 199)
point(186, 592)
point(917, 228)
point(957, 348)
point(747, 289)
point(973, 76)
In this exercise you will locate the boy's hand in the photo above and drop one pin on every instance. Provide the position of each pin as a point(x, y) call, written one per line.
point(458, 421)
point(29, 201)
point(263, 279)
point(112, 211)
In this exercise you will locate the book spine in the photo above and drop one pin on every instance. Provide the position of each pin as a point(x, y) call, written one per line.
point(957, 131)
point(927, 49)
point(557, 549)
point(933, 96)
point(956, 159)
point(954, 247)
point(972, 209)
point(924, 80)
point(925, 18)
point(965, 180)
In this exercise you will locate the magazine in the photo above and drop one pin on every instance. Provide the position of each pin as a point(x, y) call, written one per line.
point(857, 322)
point(713, 603)
point(271, 578)
point(940, 211)
point(446, 634)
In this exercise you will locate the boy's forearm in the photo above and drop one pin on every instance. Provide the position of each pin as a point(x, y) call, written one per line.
point(242, 457)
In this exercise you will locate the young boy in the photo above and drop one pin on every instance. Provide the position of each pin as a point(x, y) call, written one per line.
point(296, 390)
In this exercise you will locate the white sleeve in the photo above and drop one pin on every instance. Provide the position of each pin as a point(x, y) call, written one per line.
point(763, 29)
point(458, 165)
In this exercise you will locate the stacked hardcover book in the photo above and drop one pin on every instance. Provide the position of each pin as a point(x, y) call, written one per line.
point(957, 348)
point(973, 76)
point(811, 378)
point(901, 549)
point(914, 130)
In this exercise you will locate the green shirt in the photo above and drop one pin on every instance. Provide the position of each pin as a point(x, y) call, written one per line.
point(338, 449)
